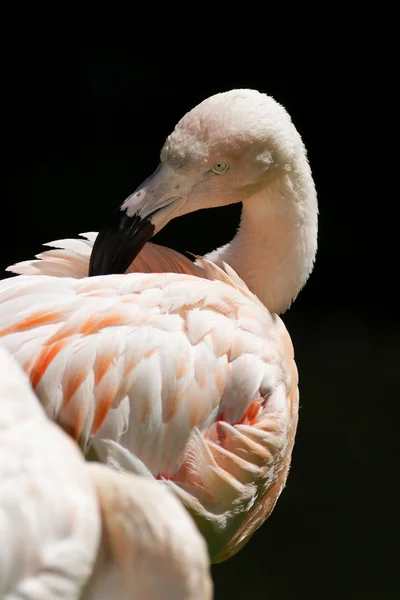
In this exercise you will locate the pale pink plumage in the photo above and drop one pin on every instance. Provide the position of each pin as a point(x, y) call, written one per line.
point(177, 370)
point(73, 530)
point(150, 548)
point(193, 376)
point(49, 517)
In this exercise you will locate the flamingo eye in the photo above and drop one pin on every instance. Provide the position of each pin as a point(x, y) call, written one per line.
point(220, 167)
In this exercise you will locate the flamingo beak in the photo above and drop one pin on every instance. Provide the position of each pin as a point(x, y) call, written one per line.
point(145, 212)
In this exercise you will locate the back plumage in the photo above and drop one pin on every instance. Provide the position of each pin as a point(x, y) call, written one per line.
point(187, 378)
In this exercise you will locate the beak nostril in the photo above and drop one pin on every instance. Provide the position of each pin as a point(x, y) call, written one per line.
point(138, 194)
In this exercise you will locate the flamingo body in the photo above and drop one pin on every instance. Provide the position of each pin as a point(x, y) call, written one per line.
point(192, 376)
point(182, 371)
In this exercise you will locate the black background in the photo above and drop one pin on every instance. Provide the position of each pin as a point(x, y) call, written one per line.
point(85, 112)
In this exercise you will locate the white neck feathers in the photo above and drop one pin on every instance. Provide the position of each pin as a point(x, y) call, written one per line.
point(275, 246)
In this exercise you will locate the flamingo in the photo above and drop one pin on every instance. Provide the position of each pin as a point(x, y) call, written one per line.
point(72, 529)
point(150, 547)
point(49, 516)
point(183, 371)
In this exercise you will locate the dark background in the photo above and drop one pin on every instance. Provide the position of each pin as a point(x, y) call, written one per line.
point(85, 112)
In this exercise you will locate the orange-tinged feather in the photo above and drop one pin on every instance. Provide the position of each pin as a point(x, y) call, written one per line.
point(130, 365)
point(130, 298)
point(170, 407)
point(151, 352)
point(72, 419)
point(79, 422)
point(72, 386)
point(27, 366)
point(196, 410)
point(74, 427)
point(103, 405)
point(181, 369)
point(93, 324)
point(42, 317)
point(62, 333)
point(203, 380)
point(45, 357)
point(251, 414)
point(101, 366)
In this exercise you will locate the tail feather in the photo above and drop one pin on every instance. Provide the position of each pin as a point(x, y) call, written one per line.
point(68, 258)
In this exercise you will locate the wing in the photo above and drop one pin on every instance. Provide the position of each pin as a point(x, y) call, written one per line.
point(193, 377)
point(49, 518)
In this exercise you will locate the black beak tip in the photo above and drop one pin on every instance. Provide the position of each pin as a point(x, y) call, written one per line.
point(118, 245)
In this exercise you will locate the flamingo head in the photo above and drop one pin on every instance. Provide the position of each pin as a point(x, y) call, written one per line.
point(224, 151)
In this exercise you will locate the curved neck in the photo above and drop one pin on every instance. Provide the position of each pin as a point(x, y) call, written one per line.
point(275, 246)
